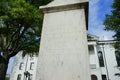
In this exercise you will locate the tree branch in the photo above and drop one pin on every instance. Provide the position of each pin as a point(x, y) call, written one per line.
point(13, 37)
point(32, 43)
point(15, 47)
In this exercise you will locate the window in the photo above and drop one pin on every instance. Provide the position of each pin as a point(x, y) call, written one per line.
point(104, 77)
point(32, 56)
point(30, 77)
point(94, 77)
point(117, 54)
point(21, 66)
point(19, 77)
point(100, 57)
point(31, 65)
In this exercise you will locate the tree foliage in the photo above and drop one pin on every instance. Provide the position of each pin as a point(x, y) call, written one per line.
point(20, 28)
point(20, 25)
point(112, 21)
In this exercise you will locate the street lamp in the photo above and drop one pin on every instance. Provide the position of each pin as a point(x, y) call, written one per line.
point(26, 74)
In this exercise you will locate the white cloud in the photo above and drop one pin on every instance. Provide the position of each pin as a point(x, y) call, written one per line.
point(92, 2)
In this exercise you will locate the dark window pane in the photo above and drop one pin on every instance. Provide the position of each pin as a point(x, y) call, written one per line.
point(117, 54)
point(19, 77)
point(94, 77)
point(31, 65)
point(104, 77)
point(30, 77)
point(101, 60)
point(21, 66)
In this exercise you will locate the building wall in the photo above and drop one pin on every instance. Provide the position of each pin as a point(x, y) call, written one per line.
point(26, 62)
point(110, 65)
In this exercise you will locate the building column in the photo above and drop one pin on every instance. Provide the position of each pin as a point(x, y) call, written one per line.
point(96, 56)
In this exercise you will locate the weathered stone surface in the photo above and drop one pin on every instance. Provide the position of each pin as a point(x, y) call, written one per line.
point(63, 50)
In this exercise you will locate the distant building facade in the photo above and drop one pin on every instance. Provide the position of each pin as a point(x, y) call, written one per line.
point(104, 59)
point(104, 62)
point(24, 68)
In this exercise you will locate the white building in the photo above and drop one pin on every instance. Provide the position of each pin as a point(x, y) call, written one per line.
point(24, 68)
point(104, 60)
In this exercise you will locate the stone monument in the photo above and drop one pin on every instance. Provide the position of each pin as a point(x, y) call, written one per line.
point(63, 51)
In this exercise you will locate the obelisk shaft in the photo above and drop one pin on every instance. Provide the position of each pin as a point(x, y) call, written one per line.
point(63, 51)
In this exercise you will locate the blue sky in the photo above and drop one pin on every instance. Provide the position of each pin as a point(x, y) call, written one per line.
point(10, 65)
point(97, 11)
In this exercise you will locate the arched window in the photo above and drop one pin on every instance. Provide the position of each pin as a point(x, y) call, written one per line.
point(101, 60)
point(94, 77)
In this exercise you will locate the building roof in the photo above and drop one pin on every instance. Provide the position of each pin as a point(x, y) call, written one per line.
point(91, 37)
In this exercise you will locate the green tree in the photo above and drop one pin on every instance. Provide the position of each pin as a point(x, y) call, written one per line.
point(112, 21)
point(20, 28)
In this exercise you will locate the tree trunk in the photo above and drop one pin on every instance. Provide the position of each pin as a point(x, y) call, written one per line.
point(3, 67)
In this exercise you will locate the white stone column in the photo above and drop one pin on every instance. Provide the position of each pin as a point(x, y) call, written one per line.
point(63, 51)
point(96, 55)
